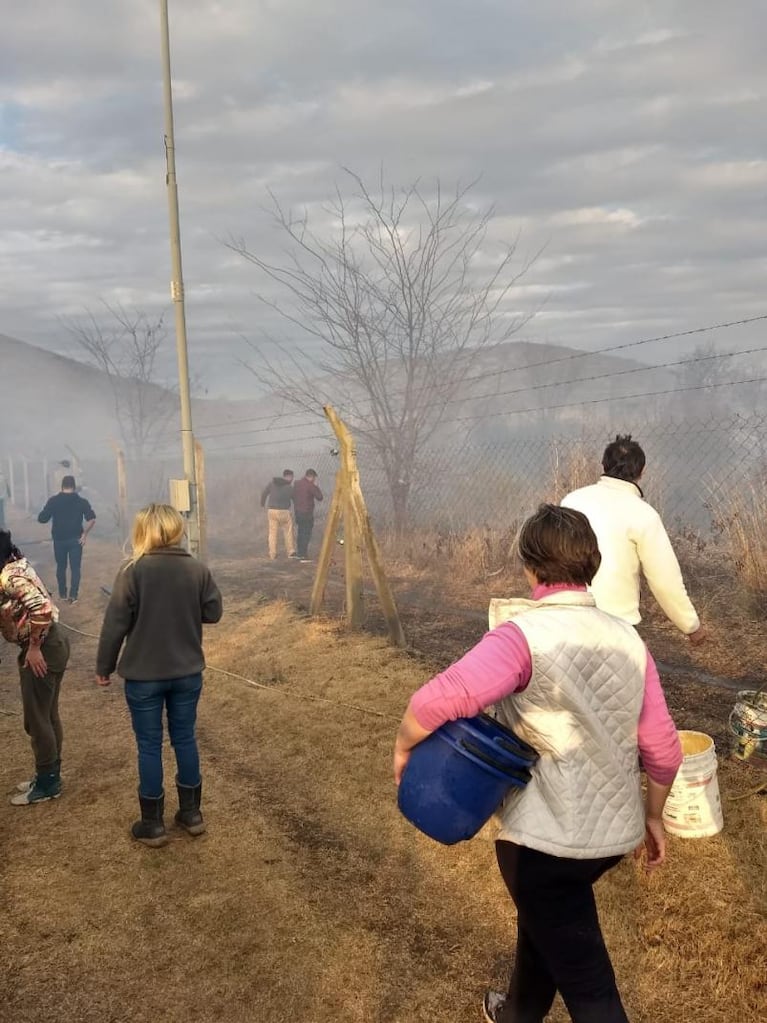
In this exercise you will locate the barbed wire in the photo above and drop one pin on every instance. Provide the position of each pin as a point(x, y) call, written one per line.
point(569, 357)
point(538, 387)
point(598, 401)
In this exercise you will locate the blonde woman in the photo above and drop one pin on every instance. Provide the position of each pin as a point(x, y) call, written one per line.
point(160, 600)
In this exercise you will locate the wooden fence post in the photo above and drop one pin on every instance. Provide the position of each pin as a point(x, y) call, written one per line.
point(383, 589)
point(11, 480)
point(328, 545)
point(355, 591)
point(349, 501)
point(202, 500)
point(25, 478)
point(122, 491)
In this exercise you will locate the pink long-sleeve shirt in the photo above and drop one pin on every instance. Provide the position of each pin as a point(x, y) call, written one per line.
point(501, 664)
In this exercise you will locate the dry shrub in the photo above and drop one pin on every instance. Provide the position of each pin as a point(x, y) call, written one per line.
point(740, 519)
point(234, 512)
point(572, 466)
point(471, 555)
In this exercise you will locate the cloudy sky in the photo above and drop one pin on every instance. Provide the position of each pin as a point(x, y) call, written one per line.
point(626, 138)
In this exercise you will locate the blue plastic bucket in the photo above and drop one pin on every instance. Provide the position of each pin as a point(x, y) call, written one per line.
point(457, 778)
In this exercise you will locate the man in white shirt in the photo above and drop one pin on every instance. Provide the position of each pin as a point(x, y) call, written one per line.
point(632, 540)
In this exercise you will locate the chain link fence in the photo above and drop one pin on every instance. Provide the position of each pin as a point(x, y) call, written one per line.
point(693, 466)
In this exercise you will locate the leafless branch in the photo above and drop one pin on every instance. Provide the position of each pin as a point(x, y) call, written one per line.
point(394, 307)
point(124, 345)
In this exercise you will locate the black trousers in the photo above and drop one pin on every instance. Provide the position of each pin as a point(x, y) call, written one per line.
point(559, 940)
point(304, 526)
point(68, 552)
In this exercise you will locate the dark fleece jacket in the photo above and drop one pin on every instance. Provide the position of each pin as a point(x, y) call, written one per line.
point(278, 493)
point(158, 607)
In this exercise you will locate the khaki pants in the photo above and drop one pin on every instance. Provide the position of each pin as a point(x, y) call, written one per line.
point(281, 519)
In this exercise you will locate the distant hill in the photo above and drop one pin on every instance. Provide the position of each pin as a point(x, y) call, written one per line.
point(49, 402)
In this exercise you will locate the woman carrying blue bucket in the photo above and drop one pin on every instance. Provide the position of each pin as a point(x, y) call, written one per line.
point(581, 688)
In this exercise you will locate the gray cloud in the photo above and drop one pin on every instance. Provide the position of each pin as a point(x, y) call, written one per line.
point(629, 142)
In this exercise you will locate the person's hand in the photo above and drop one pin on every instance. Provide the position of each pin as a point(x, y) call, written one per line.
point(401, 757)
point(654, 844)
point(83, 538)
point(698, 637)
point(103, 680)
point(36, 662)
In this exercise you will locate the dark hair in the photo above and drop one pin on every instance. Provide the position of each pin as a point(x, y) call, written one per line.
point(8, 550)
point(311, 472)
point(287, 472)
point(67, 483)
point(623, 459)
point(559, 546)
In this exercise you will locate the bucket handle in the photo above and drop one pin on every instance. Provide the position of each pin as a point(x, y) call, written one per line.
point(522, 776)
point(757, 693)
point(519, 749)
point(523, 749)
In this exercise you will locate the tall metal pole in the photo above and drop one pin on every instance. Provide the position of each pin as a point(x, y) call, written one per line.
point(177, 290)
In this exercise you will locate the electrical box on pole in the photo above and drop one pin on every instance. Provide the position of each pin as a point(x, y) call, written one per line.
point(180, 497)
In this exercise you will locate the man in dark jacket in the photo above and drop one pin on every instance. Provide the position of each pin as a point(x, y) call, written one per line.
point(277, 497)
point(305, 493)
point(73, 518)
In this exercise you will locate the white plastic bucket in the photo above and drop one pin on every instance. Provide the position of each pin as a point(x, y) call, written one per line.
point(693, 808)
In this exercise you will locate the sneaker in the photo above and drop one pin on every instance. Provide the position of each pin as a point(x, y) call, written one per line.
point(293, 555)
point(46, 786)
point(25, 786)
point(492, 1004)
point(305, 561)
point(73, 600)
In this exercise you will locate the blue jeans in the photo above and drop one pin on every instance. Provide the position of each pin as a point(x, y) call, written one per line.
point(146, 700)
point(68, 551)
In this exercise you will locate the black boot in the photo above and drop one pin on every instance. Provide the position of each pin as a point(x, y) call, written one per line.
point(189, 816)
point(151, 828)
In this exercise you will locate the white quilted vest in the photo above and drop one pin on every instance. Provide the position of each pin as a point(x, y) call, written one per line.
point(580, 711)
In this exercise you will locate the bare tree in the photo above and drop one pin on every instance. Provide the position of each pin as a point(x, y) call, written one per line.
point(394, 301)
point(126, 350)
point(710, 369)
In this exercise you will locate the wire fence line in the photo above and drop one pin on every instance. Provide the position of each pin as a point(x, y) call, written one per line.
point(462, 483)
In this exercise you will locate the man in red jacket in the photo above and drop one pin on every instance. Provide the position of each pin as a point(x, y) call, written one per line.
point(305, 493)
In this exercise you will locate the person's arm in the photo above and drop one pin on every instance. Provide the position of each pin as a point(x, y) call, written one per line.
point(89, 517)
point(664, 576)
point(317, 493)
point(410, 733)
point(212, 603)
point(265, 494)
point(119, 618)
point(500, 664)
point(47, 512)
point(661, 752)
point(38, 613)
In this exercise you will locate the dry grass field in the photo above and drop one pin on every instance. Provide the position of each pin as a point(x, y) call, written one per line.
point(310, 899)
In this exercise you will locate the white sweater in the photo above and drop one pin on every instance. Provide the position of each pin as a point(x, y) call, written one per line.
point(632, 540)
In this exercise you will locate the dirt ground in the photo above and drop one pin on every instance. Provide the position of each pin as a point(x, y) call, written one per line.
point(310, 899)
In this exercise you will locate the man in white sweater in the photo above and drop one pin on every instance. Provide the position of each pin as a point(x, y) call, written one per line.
point(632, 540)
